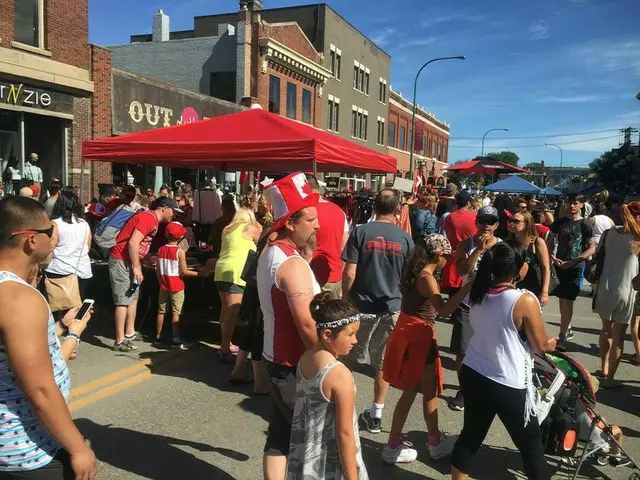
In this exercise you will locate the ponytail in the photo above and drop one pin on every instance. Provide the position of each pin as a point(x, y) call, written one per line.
point(483, 280)
point(629, 212)
point(501, 263)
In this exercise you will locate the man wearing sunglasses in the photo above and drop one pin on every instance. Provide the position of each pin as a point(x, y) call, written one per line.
point(38, 439)
point(468, 255)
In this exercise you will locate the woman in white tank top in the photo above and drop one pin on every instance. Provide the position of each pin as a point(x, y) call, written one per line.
point(496, 375)
point(600, 222)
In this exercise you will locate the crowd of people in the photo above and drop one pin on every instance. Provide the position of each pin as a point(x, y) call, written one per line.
point(322, 291)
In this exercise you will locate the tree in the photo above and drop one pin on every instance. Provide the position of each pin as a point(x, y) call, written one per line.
point(506, 157)
point(533, 166)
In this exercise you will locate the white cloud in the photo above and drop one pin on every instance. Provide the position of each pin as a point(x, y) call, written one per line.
point(538, 30)
point(609, 56)
point(571, 99)
point(430, 21)
point(418, 42)
point(382, 37)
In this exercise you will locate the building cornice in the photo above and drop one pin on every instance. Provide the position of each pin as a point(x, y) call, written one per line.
point(45, 70)
point(396, 100)
point(417, 156)
point(289, 58)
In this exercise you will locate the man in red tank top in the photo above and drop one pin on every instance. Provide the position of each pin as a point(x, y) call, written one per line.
point(286, 286)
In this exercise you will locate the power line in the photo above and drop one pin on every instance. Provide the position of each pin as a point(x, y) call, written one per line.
point(541, 136)
point(535, 146)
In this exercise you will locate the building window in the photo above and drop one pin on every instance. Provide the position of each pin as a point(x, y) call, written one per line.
point(333, 117)
point(306, 105)
point(392, 135)
point(366, 82)
point(365, 126)
point(332, 62)
point(402, 138)
point(354, 124)
point(424, 146)
point(28, 22)
point(382, 93)
point(338, 65)
point(292, 104)
point(361, 80)
point(356, 75)
point(274, 94)
point(380, 139)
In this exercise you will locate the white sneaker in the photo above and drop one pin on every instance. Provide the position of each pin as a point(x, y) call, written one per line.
point(444, 448)
point(403, 453)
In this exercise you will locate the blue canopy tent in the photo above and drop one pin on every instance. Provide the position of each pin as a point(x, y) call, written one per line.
point(513, 184)
point(551, 192)
point(592, 190)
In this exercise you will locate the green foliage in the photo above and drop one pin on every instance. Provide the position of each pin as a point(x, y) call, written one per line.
point(505, 156)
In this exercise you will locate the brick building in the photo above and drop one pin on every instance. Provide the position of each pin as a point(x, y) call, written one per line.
point(243, 59)
point(46, 87)
point(430, 142)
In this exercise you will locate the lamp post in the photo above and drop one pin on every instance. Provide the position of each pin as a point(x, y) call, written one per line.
point(415, 107)
point(561, 154)
point(485, 134)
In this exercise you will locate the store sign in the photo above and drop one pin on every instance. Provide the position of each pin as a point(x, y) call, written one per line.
point(332, 182)
point(141, 104)
point(23, 95)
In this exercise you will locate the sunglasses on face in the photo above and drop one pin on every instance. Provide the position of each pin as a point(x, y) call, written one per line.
point(515, 221)
point(48, 232)
point(487, 221)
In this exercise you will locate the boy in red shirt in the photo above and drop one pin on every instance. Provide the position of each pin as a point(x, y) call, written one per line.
point(171, 269)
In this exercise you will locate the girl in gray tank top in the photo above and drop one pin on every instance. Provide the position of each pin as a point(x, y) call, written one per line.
point(320, 447)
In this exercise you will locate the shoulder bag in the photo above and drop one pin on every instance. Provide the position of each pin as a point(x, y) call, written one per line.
point(63, 293)
point(593, 269)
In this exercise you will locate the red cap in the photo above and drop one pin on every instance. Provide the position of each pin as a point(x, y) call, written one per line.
point(175, 230)
point(288, 196)
point(36, 190)
point(97, 209)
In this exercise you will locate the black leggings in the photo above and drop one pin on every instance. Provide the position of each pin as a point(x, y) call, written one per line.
point(58, 469)
point(483, 400)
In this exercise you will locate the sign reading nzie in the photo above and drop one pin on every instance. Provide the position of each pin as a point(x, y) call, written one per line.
point(23, 95)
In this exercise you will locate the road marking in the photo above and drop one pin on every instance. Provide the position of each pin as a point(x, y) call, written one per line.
point(111, 378)
point(118, 387)
point(108, 391)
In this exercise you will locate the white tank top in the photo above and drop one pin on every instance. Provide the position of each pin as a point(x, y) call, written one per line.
point(602, 224)
point(496, 349)
point(72, 250)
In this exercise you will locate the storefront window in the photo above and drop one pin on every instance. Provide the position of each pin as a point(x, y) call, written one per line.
point(26, 22)
point(292, 104)
point(306, 105)
point(274, 94)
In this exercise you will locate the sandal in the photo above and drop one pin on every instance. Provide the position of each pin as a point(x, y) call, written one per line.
point(599, 374)
point(612, 386)
point(225, 358)
point(236, 382)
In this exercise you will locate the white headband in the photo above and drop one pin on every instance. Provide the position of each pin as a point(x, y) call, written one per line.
point(345, 321)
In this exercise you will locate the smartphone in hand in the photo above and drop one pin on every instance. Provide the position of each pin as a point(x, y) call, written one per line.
point(84, 309)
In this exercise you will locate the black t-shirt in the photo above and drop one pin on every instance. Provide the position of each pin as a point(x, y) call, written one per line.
point(572, 238)
point(380, 250)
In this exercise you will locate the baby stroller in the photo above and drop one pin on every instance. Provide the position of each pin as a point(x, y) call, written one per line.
point(567, 416)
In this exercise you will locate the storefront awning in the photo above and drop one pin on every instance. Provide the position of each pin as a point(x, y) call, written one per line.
point(249, 140)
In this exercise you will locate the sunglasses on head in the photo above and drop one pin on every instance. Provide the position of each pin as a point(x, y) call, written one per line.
point(47, 231)
point(487, 221)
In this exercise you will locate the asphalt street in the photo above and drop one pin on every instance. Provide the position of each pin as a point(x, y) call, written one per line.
point(160, 414)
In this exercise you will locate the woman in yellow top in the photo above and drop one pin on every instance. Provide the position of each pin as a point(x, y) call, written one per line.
point(238, 238)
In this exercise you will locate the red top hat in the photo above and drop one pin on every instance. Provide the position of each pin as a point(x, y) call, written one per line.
point(288, 196)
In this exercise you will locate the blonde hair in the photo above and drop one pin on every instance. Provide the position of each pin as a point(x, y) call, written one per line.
point(629, 212)
point(530, 231)
point(243, 216)
point(475, 205)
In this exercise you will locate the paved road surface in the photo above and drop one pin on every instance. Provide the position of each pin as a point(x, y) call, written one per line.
point(167, 415)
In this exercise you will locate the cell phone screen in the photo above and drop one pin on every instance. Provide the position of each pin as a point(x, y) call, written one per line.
point(86, 305)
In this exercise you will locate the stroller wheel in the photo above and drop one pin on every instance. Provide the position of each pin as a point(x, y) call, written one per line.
point(602, 460)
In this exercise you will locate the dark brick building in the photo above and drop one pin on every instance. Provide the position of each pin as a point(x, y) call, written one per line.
point(46, 91)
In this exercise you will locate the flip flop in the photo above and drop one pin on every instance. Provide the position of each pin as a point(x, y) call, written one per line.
point(599, 374)
point(236, 382)
point(611, 386)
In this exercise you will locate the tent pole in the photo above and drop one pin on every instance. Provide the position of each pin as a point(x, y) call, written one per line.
point(82, 181)
point(315, 168)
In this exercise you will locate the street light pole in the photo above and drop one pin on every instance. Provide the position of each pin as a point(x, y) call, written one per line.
point(415, 107)
point(485, 134)
point(559, 148)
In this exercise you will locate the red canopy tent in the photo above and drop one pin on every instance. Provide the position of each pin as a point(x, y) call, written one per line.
point(249, 140)
point(485, 165)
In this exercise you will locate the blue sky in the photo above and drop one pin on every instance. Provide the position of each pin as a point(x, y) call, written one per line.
point(543, 67)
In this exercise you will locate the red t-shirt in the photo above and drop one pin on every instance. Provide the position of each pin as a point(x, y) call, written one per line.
point(542, 230)
point(147, 224)
point(458, 225)
point(326, 263)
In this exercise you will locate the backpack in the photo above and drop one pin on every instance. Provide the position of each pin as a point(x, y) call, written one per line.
point(110, 226)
